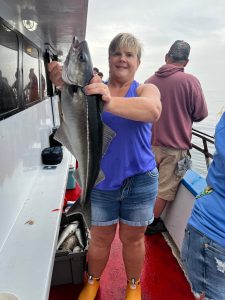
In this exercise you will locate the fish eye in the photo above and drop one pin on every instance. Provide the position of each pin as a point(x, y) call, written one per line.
point(82, 57)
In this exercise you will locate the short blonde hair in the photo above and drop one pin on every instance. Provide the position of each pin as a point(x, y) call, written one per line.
point(125, 40)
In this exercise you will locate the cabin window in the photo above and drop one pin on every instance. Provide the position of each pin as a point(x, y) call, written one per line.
point(8, 70)
point(31, 86)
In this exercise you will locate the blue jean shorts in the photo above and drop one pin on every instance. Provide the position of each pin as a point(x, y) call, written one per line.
point(131, 204)
point(204, 264)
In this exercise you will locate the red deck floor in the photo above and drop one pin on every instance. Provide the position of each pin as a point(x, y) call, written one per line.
point(162, 277)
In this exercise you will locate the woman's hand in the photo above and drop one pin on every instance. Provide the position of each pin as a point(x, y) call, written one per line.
point(55, 74)
point(97, 87)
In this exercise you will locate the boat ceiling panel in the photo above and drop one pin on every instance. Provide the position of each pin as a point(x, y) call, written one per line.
point(58, 20)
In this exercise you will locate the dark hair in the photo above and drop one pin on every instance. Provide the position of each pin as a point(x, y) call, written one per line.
point(96, 69)
point(179, 51)
point(100, 74)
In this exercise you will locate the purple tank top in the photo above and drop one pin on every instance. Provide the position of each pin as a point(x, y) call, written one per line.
point(130, 151)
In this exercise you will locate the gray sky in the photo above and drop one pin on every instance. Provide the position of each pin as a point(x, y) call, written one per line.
point(157, 24)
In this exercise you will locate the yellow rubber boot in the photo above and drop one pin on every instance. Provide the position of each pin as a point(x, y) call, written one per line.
point(90, 289)
point(133, 291)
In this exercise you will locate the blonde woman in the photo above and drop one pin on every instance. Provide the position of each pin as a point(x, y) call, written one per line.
point(127, 194)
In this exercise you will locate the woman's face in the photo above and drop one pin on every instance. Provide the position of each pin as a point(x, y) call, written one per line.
point(123, 64)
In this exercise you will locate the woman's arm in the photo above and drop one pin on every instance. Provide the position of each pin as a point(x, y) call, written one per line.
point(146, 107)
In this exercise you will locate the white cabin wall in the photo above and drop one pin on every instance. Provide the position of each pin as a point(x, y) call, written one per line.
point(22, 137)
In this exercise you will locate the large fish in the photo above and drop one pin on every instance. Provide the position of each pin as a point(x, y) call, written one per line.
point(82, 130)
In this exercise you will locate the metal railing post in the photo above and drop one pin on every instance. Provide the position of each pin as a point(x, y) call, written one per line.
point(205, 140)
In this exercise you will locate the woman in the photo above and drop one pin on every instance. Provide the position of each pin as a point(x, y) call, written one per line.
point(203, 251)
point(128, 192)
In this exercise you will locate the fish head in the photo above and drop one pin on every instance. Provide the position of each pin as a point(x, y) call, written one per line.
point(78, 68)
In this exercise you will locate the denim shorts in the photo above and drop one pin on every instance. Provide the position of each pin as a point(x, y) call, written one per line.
point(131, 204)
point(204, 264)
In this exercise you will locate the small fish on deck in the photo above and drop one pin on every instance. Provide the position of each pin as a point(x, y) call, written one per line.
point(69, 243)
point(67, 232)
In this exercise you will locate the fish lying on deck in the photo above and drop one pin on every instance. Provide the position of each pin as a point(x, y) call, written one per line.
point(82, 129)
point(71, 238)
point(67, 232)
point(70, 243)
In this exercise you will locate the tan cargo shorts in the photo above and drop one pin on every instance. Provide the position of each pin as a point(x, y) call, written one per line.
point(167, 162)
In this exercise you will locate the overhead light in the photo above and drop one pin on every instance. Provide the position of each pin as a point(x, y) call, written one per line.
point(29, 19)
point(30, 25)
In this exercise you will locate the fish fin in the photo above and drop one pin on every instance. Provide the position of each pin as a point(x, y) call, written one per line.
point(77, 177)
point(101, 177)
point(61, 137)
point(84, 210)
point(108, 136)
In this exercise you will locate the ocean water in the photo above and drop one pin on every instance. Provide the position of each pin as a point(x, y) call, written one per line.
point(216, 105)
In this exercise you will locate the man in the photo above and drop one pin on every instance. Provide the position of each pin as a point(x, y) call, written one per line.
point(182, 104)
point(32, 87)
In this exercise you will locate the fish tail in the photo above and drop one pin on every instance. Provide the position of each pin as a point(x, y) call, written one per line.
point(84, 208)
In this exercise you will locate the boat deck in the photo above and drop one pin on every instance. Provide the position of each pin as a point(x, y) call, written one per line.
point(162, 277)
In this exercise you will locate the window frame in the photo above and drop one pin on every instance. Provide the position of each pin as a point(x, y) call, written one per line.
point(22, 104)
